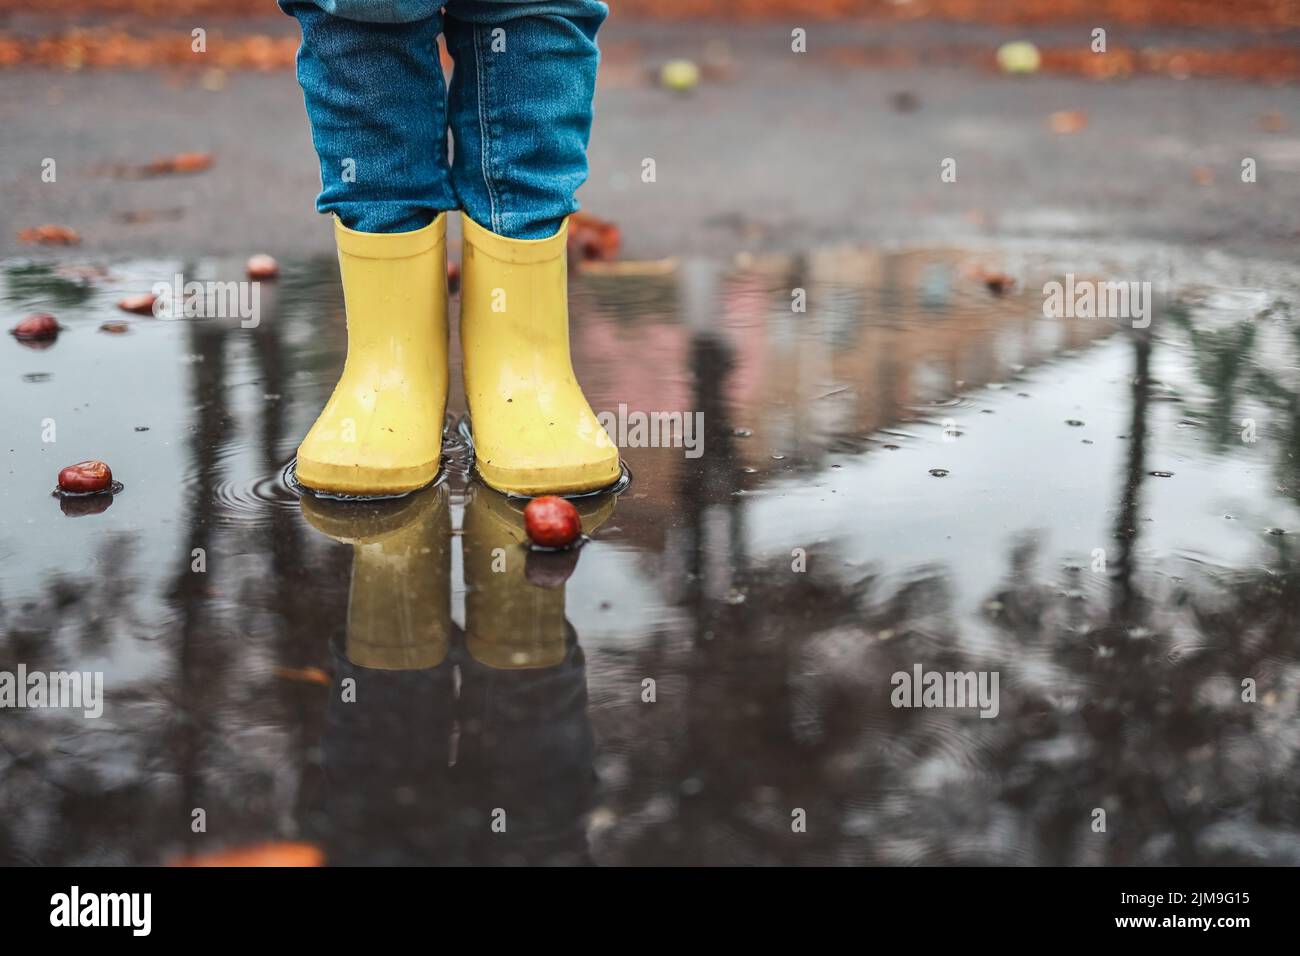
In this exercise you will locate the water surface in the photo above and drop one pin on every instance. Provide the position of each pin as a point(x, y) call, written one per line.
point(913, 471)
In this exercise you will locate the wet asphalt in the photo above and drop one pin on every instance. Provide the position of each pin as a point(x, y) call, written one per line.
point(774, 151)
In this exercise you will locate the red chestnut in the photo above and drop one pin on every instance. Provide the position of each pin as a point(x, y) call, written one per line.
point(86, 476)
point(262, 266)
point(139, 304)
point(552, 522)
point(38, 325)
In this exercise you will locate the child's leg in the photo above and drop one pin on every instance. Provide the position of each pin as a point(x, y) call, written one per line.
point(520, 108)
point(374, 94)
point(520, 111)
point(376, 100)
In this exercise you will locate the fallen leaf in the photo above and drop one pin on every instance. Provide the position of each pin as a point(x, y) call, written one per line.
point(1203, 175)
point(1178, 66)
point(999, 283)
point(116, 328)
point(630, 267)
point(1274, 122)
point(48, 235)
point(593, 239)
point(303, 675)
point(148, 215)
point(260, 854)
point(168, 165)
point(1068, 121)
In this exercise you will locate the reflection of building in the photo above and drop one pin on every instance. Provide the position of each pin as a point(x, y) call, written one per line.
point(887, 337)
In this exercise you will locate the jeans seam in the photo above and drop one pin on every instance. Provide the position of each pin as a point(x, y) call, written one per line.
point(485, 138)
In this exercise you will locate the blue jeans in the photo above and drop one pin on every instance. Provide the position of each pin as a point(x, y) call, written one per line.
point(518, 108)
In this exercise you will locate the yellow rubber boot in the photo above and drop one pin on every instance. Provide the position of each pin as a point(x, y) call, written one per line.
point(534, 432)
point(381, 430)
point(399, 601)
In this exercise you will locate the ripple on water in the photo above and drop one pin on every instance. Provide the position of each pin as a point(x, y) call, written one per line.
point(954, 401)
point(289, 480)
point(250, 503)
point(454, 448)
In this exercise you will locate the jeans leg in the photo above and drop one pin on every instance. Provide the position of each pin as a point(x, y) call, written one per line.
point(377, 105)
point(520, 109)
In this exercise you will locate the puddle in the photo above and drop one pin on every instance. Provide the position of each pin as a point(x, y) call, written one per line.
point(710, 679)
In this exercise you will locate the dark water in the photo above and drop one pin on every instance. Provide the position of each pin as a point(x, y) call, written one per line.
point(965, 485)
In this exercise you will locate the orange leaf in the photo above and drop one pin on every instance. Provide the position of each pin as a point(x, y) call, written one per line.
point(593, 239)
point(260, 854)
point(50, 235)
point(1068, 121)
point(304, 675)
point(180, 163)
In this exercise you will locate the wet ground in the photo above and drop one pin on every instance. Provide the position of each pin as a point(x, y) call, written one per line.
point(913, 472)
point(774, 151)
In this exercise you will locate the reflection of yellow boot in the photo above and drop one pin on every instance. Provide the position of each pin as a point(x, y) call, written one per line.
point(511, 622)
point(399, 605)
point(534, 432)
point(381, 430)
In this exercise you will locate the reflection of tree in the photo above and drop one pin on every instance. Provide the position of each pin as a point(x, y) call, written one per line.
point(1228, 364)
point(1127, 520)
point(44, 283)
point(707, 496)
point(1286, 401)
point(1160, 738)
point(301, 615)
point(1125, 698)
point(51, 790)
point(194, 727)
point(1157, 734)
point(1222, 359)
point(201, 665)
point(1142, 718)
